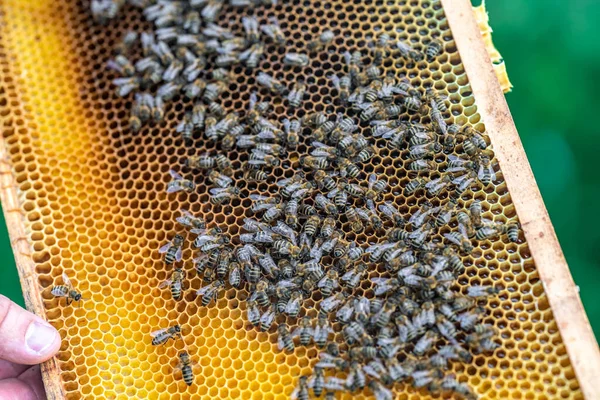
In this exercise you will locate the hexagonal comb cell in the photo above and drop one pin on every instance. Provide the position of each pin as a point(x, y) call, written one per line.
point(95, 207)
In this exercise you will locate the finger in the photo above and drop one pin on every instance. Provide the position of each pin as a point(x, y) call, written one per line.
point(14, 388)
point(25, 338)
point(11, 370)
point(33, 378)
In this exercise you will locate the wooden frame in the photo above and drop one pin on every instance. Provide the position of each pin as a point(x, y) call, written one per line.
point(550, 262)
point(560, 289)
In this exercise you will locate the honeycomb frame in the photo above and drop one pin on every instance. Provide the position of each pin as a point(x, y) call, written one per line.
point(560, 290)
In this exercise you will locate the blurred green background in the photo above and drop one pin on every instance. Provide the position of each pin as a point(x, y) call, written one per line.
point(552, 51)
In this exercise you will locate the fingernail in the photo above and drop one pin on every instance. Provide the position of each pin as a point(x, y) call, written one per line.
point(39, 337)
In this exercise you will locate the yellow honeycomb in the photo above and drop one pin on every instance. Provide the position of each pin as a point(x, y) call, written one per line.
point(94, 206)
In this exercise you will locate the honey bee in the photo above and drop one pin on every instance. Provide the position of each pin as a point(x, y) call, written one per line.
point(252, 312)
point(258, 158)
point(296, 59)
point(323, 41)
point(422, 165)
point(251, 57)
point(301, 390)
point(211, 240)
point(122, 65)
point(292, 131)
point(450, 383)
point(437, 117)
point(179, 183)
point(162, 336)
point(284, 338)
point(391, 211)
point(175, 283)
point(235, 274)
point(433, 49)
point(311, 225)
point(439, 100)
point(186, 128)
point(409, 52)
point(342, 85)
point(425, 343)
point(420, 151)
point(512, 231)
point(186, 365)
point(285, 247)
point(198, 115)
point(66, 290)
point(292, 307)
point(435, 186)
point(273, 213)
point(126, 43)
point(266, 320)
point(250, 25)
point(304, 331)
point(321, 202)
point(327, 227)
point(317, 381)
point(254, 175)
point(188, 220)
point(381, 46)
point(324, 180)
point(486, 172)
point(460, 239)
point(322, 330)
point(219, 179)
point(169, 90)
point(274, 32)
point(296, 95)
point(315, 119)
point(210, 292)
point(475, 138)
point(173, 250)
point(376, 187)
point(329, 282)
point(213, 90)
point(348, 168)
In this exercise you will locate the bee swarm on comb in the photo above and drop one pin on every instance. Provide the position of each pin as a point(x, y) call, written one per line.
point(383, 310)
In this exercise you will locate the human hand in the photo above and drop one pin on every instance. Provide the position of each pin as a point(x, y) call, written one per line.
point(25, 340)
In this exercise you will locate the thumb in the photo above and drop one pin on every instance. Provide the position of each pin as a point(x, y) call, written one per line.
point(24, 337)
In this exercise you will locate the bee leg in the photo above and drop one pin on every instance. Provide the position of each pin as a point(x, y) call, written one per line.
point(68, 301)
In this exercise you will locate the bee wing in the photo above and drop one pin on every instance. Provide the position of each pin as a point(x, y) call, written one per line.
point(284, 182)
point(218, 190)
point(258, 197)
point(179, 254)
point(372, 180)
point(362, 214)
point(348, 275)
point(158, 332)
point(332, 194)
point(451, 239)
point(66, 280)
point(173, 189)
point(178, 285)
point(263, 207)
point(211, 247)
point(463, 230)
point(256, 162)
point(203, 290)
point(164, 248)
point(283, 229)
point(175, 175)
point(164, 284)
point(198, 231)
